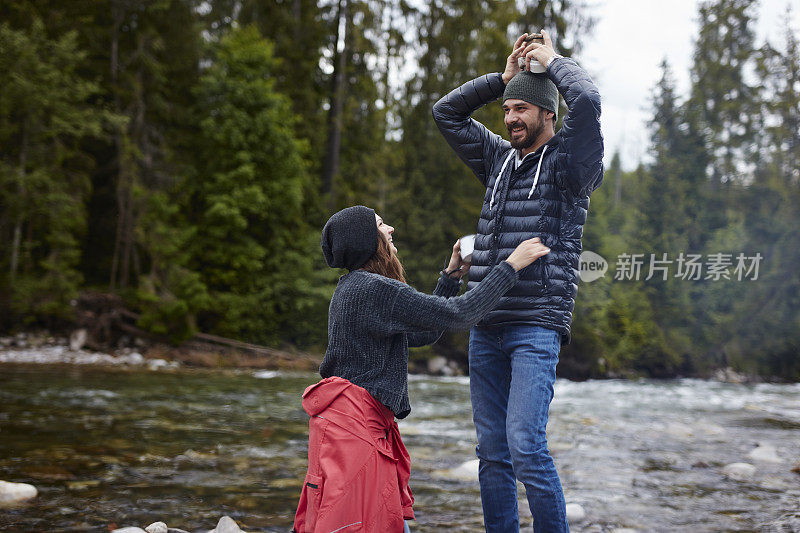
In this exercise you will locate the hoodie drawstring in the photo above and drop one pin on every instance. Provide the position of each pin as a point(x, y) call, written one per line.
point(538, 169)
point(502, 169)
point(497, 179)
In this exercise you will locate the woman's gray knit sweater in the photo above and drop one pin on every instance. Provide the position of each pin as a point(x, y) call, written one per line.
point(373, 320)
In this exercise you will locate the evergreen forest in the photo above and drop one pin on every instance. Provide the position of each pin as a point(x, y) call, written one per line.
point(183, 156)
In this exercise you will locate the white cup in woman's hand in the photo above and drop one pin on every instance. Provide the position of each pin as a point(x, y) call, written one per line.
point(526, 253)
point(467, 246)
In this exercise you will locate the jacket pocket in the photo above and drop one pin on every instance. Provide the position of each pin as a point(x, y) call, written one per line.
point(543, 264)
point(313, 490)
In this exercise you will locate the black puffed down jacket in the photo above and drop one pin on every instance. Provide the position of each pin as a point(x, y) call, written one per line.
point(546, 196)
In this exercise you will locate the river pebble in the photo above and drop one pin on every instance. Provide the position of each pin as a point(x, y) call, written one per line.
point(157, 364)
point(437, 364)
point(467, 471)
point(157, 527)
point(226, 524)
point(739, 471)
point(765, 452)
point(575, 513)
point(11, 493)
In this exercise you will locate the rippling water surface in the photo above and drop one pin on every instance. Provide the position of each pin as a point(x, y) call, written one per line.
point(108, 446)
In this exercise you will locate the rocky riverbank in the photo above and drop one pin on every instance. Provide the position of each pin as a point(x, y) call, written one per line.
point(46, 348)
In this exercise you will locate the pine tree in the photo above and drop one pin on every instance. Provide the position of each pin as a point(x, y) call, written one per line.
point(780, 72)
point(300, 33)
point(44, 172)
point(252, 241)
point(763, 332)
point(724, 105)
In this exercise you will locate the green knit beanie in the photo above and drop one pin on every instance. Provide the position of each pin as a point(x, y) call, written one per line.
point(536, 89)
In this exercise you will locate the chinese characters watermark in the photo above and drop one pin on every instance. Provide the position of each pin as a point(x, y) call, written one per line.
point(689, 267)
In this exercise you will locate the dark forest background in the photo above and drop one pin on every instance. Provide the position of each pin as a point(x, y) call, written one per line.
point(184, 154)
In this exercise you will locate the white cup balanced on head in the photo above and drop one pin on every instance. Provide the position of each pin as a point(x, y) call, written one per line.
point(467, 246)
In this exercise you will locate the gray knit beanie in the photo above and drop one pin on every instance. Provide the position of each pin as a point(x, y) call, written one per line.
point(536, 89)
point(350, 237)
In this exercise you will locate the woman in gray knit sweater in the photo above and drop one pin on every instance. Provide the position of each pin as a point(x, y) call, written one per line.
point(374, 317)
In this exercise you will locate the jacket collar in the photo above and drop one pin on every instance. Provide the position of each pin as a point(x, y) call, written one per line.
point(550, 143)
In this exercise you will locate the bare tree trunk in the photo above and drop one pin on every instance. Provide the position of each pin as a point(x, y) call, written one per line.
point(146, 163)
point(117, 15)
point(296, 13)
point(15, 248)
point(330, 165)
point(126, 221)
point(124, 239)
point(17, 239)
point(386, 97)
point(128, 217)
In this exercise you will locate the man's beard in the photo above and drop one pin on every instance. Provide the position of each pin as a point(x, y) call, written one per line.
point(532, 133)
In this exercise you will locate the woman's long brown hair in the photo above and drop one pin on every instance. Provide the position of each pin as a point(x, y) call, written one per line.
point(384, 262)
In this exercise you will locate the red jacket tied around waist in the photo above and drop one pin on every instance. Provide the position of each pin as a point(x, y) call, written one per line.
point(358, 467)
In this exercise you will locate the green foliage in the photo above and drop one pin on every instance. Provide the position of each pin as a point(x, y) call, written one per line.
point(44, 171)
point(715, 185)
point(251, 242)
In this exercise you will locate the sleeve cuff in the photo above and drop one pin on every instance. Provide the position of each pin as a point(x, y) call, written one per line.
point(550, 62)
point(447, 286)
point(510, 270)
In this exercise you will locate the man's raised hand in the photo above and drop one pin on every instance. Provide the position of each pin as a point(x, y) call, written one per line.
point(512, 63)
point(538, 51)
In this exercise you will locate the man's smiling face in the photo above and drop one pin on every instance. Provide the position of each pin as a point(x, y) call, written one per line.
point(525, 122)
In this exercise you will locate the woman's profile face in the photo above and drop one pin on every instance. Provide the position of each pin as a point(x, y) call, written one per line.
point(386, 230)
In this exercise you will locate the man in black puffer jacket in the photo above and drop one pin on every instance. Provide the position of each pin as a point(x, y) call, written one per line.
point(537, 185)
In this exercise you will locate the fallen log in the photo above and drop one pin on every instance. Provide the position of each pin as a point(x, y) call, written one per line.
point(246, 346)
point(106, 320)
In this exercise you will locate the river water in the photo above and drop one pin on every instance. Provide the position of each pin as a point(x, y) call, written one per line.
point(111, 447)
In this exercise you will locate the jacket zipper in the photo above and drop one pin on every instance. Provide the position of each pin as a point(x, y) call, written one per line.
point(543, 266)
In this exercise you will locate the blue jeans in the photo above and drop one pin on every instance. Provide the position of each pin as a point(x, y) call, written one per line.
point(512, 370)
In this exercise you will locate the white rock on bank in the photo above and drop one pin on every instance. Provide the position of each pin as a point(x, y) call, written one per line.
point(436, 365)
point(575, 513)
point(158, 364)
point(157, 527)
point(729, 375)
point(77, 339)
point(765, 452)
point(129, 530)
point(739, 471)
point(227, 525)
point(134, 358)
point(11, 493)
